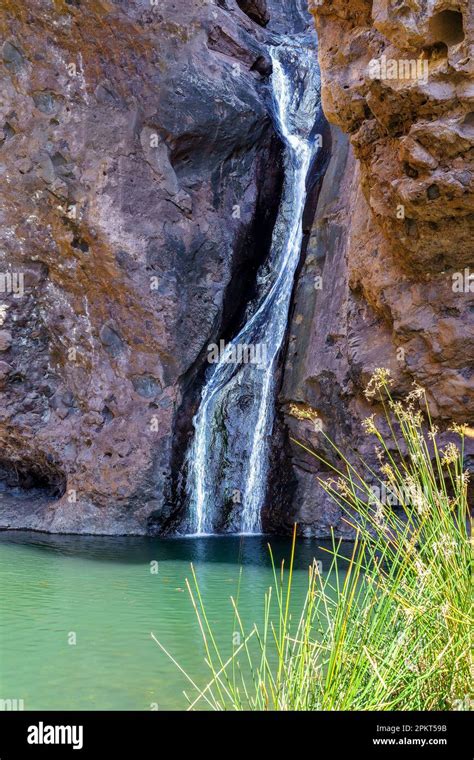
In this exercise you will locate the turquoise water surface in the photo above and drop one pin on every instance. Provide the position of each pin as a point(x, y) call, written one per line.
point(76, 614)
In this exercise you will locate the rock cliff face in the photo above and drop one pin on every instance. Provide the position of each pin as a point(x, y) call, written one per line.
point(393, 238)
point(140, 179)
point(141, 176)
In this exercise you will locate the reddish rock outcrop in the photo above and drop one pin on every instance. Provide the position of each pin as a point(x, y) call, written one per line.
point(393, 239)
point(140, 175)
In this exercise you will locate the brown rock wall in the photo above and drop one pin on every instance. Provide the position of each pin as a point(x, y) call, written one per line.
point(393, 235)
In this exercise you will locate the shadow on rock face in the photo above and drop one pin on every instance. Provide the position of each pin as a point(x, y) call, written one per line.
point(28, 479)
point(256, 10)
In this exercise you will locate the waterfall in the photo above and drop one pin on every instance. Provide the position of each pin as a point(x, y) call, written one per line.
point(227, 461)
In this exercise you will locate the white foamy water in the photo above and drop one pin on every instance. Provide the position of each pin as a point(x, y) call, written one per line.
point(227, 462)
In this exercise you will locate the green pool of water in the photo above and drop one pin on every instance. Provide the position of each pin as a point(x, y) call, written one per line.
point(76, 614)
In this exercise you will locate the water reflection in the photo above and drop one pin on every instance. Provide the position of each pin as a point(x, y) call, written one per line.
point(240, 550)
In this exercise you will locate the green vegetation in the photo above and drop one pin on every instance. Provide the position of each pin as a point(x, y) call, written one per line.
point(390, 628)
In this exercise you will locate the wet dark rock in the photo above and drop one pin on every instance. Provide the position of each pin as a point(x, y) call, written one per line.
point(263, 66)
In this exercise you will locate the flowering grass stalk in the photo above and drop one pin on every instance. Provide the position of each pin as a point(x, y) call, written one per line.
point(388, 629)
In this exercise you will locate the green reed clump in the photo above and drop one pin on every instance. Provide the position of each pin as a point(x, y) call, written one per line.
point(388, 629)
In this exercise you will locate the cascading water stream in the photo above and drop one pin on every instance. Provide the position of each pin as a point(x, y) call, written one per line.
point(228, 459)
